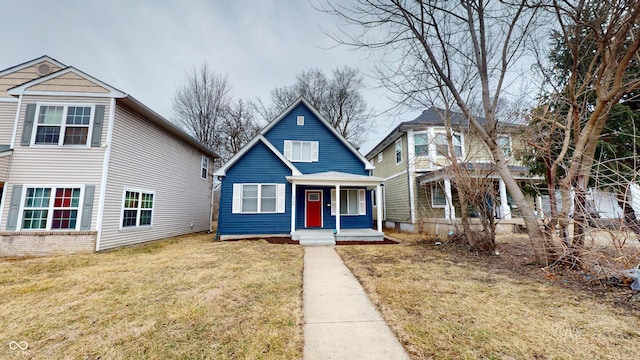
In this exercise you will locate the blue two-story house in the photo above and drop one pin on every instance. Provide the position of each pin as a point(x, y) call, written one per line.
point(299, 177)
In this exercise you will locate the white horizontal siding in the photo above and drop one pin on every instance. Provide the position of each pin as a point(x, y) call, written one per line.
point(7, 118)
point(50, 165)
point(146, 157)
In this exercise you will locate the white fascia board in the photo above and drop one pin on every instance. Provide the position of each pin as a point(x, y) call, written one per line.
point(223, 170)
point(31, 63)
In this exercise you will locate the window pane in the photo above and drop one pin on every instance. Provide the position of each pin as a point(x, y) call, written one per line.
point(34, 219)
point(268, 191)
point(51, 115)
point(131, 199)
point(421, 144)
point(145, 217)
point(438, 196)
point(76, 135)
point(343, 201)
point(147, 201)
point(353, 202)
point(129, 218)
point(78, 115)
point(47, 135)
point(306, 151)
point(249, 205)
point(268, 198)
point(64, 219)
point(37, 197)
point(67, 197)
point(268, 205)
point(296, 150)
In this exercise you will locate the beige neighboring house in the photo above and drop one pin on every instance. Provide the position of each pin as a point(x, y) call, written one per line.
point(413, 159)
point(86, 167)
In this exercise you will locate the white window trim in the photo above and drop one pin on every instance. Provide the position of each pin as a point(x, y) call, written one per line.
point(433, 202)
point(122, 208)
point(361, 199)
point(63, 125)
point(51, 207)
point(395, 150)
point(314, 148)
point(236, 206)
point(204, 166)
point(300, 120)
point(444, 132)
point(425, 154)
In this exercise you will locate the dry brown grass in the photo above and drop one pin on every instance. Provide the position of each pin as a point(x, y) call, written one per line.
point(186, 297)
point(447, 304)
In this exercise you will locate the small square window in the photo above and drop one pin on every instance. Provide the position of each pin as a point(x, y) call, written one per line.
point(380, 157)
point(300, 120)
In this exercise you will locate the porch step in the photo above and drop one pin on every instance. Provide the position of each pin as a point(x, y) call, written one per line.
point(317, 240)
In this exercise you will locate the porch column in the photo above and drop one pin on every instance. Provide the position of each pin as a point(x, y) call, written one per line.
point(449, 210)
point(337, 209)
point(505, 211)
point(379, 207)
point(293, 207)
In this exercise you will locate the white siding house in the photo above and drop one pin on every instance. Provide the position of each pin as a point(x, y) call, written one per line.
point(86, 167)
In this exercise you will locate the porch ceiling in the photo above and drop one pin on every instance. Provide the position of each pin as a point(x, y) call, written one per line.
point(333, 178)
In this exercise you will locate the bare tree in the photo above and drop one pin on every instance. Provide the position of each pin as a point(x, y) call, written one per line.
point(337, 99)
point(472, 46)
point(237, 128)
point(202, 103)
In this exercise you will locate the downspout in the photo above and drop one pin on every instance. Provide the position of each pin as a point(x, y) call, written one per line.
point(212, 197)
point(105, 172)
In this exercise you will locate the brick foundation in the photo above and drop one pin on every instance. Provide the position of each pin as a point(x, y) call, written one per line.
point(46, 243)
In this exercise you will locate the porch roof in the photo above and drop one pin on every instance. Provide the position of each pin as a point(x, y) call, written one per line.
point(485, 170)
point(333, 178)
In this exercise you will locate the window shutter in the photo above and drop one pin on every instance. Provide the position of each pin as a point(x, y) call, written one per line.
point(236, 207)
point(281, 198)
point(98, 120)
point(314, 151)
point(333, 201)
point(287, 149)
point(87, 207)
point(14, 207)
point(27, 128)
point(362, 202)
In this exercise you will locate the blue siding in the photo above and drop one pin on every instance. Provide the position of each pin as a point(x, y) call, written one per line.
point(258, 165)
point(333, 154)
point(329, 221)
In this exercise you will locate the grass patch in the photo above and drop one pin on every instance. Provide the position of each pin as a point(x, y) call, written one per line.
point(447, 304)
point(185, 297)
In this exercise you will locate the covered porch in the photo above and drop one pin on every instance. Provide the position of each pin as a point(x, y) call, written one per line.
point(329, 206)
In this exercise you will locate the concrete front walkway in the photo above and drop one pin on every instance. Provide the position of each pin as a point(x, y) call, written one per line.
point(340, 322)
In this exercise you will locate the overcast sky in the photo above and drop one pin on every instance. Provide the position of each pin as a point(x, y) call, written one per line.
point(145, 48)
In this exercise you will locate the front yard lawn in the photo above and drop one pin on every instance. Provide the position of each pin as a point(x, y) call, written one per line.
point(185, 297)
point(446, 303)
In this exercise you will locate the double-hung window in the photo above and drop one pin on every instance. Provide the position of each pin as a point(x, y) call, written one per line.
point(352, 202)
point(421, 143)
point(301, 151)
point(63, 124)
point(443, 147)
point(51, 208)
point(398, 146)
point(504, 141)
point(258, 198)
point(204, 167)
point(137, 208)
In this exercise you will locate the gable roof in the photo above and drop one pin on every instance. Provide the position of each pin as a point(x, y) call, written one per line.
point(431, 117)
point(22, 88)
point(302, 100)
point(223, 170)
point(29, 63)
point(120, 96)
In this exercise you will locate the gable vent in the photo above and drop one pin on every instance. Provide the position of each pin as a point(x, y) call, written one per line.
point(44, 69)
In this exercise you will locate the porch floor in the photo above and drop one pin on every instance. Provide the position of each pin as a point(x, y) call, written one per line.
point(327, 237)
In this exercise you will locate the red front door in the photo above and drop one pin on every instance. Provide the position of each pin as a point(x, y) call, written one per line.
point(313, 209)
